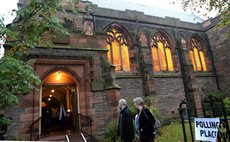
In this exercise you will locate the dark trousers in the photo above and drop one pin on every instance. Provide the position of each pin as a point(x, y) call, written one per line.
point(149, 138)
point(62, 121)
point(47, 122)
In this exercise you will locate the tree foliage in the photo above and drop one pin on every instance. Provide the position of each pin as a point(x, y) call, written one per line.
point(34, 19)
point(221, 6)
point(16, 78)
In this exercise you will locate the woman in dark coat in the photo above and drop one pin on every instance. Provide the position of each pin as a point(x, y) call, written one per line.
point(125, 124)
point(144, 121)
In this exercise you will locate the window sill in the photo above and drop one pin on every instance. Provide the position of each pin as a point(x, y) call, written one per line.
point(167, 75)
point(179, 75)
point(204, 74)
point(126, 75)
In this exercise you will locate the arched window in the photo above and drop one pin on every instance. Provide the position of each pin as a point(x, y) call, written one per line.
point(117, 45)
point(161, 53)
point(197, 55)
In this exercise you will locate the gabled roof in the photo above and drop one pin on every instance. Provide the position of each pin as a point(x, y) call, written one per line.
point(122, 5)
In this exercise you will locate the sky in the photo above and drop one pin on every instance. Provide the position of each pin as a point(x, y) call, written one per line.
point(166, 4)
point(5, 8)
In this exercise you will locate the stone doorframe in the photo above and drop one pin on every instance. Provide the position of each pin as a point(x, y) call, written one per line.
point(77, 69)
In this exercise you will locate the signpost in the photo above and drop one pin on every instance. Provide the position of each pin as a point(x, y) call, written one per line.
point(206, 129)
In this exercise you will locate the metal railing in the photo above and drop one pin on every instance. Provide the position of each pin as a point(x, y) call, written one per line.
point(67, 138)
point(86, 126)
point(83, 137)
point(211, 108)
point(34, 129)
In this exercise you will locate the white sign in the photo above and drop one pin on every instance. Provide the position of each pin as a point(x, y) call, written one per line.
point(206, 129)
point(2, 50)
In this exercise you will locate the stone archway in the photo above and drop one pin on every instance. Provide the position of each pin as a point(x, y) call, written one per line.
point(60, 86)
point(78, 72)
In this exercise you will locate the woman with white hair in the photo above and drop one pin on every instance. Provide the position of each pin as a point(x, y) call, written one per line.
point(144, 121)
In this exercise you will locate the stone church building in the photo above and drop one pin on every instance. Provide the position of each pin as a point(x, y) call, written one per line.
point(118, 52)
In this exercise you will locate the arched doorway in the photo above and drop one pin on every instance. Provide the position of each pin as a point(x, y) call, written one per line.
point(59, 88)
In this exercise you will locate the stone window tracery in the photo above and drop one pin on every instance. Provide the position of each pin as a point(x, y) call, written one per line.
point(161, 53)
point(118, 53)
point(197, 56)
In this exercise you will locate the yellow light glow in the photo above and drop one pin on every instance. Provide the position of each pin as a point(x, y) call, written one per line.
point(192, 59)
point(43, 104)
point(203, 61)
point(125, 58)
point(110, 33)
point(162, 56)
point(169, 59)
point(49, 99)
point(156, 65)
point(58, 75)
point(109, 52)
point(50, 96)
point(52, 91)
point(197, 59)
point(116, 55)
point(68, 110)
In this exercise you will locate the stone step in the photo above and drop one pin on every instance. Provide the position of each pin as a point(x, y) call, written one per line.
point(74, 136)
point(60, 138)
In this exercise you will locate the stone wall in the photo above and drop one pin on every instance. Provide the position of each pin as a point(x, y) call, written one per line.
point(169, 93)
point(16, 113)
point(105, 106)
point(86, 47)
point(130, 87)
point(219, 45)
point(207, 82)
point(166, 92)
point(102, 106)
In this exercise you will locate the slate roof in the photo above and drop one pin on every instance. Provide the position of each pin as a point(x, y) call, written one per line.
point(122, 5)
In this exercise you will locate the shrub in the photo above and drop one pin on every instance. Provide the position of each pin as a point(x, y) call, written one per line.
point(227, 105)
point(111, 132)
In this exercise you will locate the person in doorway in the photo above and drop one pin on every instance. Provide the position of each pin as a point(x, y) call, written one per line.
point(144, 121)
point(46, 115)
point(55, 117)
point(125, 123)
point(54, 112)
point(62, 115)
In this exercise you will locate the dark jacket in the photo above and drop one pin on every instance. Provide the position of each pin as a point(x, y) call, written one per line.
point(125, 125)
point(146, 122)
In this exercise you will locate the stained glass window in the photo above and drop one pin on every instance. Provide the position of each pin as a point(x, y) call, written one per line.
point(118, 53)
point(197, 55)
point(161, 53)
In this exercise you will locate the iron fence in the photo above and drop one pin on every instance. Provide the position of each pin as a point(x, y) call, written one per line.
point(212, 107)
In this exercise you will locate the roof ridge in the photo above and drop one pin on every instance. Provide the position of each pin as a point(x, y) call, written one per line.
point(124, 5)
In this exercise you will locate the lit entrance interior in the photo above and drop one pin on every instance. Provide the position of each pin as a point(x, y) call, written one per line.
point(59, 88)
